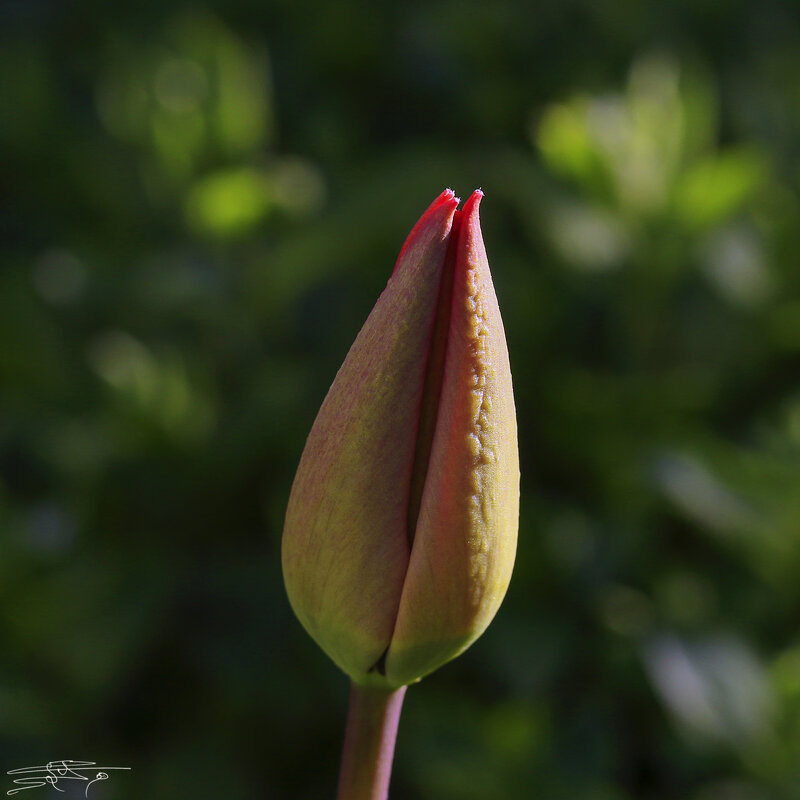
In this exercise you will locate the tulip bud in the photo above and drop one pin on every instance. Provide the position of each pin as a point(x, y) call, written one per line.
point(401, 528)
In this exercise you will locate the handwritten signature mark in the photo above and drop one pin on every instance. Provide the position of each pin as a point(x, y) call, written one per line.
point(54, 771)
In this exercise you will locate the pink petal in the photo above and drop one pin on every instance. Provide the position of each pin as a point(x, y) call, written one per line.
point(346, 543)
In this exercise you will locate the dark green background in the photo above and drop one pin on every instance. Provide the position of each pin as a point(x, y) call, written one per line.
point(201, 204)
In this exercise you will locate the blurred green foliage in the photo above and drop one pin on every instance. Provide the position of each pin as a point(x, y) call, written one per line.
point(204, 201)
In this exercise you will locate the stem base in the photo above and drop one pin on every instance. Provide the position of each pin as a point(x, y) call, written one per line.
point(372, 719)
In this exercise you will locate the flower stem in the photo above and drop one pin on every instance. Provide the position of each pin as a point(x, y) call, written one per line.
point(369, 739)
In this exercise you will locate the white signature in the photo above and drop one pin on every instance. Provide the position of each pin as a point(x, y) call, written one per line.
point(54, 771)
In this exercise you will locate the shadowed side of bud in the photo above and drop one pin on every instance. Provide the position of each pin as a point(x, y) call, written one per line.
point(346, 543)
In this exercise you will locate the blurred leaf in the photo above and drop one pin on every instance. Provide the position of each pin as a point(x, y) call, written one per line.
point(229, 203)
point(565, 143)
point(717, 187)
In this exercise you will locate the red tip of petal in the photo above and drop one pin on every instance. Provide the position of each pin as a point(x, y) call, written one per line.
point(447, 197)
point(472, 203)
point(468, 221)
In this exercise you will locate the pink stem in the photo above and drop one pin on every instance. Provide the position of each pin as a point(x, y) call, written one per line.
point(372, 720)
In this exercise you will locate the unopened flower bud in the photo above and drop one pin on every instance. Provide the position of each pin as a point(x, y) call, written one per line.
point(401, 528)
